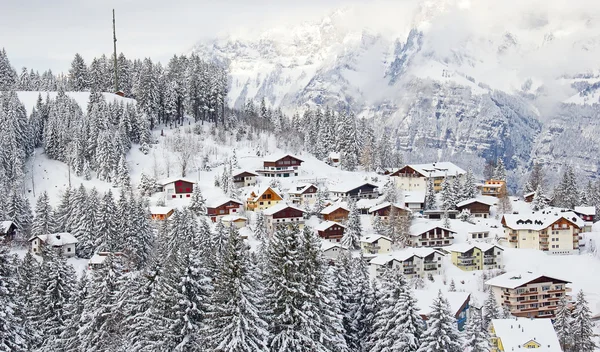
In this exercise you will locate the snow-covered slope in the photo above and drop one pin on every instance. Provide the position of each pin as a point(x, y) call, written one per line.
point(477, 76)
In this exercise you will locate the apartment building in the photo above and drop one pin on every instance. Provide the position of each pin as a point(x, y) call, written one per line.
point(527, 294)
point(415, 177)
point(476, 256)
point(431, 234)
point(375, 244)
point(413, 262)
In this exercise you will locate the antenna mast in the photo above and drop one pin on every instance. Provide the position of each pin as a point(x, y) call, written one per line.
point(115, 57)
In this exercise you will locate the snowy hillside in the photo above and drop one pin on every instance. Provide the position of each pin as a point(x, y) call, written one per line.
point(483, 77)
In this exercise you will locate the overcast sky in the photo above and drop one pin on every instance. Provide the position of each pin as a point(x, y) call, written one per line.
point(43, 34)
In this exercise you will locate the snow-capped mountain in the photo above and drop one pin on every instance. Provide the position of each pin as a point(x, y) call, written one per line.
point(486, 77)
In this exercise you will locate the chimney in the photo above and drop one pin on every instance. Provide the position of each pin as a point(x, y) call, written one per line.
point(58, 237)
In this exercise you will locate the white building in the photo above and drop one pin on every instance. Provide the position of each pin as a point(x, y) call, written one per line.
point(430, 234)
point(518, 334)
point(63, 242)
point(375, 244)
point(243, 178)
point(304, 194)
point(414, 200)
point(414, 262)
point(333, 250)
point(549, 230)
point(234, 220)
point(414, 177)
point(177, 187)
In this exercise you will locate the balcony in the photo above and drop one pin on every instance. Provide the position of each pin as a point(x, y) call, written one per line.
point(513, 240)
point(409, 272)
point(408, 265)
point(489, 262)
point(430, 266)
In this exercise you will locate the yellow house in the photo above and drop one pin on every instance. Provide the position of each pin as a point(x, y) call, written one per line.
point(493, 188)
point(477, 256)
point(375, 244)
point(262, 199)
point(522, 333)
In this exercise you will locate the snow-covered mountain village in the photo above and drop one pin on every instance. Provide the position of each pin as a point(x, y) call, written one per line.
point(149, 206)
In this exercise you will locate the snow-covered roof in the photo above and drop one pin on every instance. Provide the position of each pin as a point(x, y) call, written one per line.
point(5, 225)
point(334, 155)
point(233, 218)
point(327, 224)
point(422, 227)
point(279, 207)
point(404, 254)
point(465, 247)
point(514, 279)
point(516, 332)
point(385, 205)
point(439, 169)
point(97, 259)
point(373, 237)
point(239, 172)
point(414, 197)
point(366, 203)
point(327, 245)
point(529, 194)
point(300, 188)
point(541, 219)
point(426, 298)
point(349, 186)
point(278, 156)
point(57, 239)
point(333, 207)
point(260, 190)
point(170, 180)
point(217, 202)
point(160, 210)
point(475, 200)
point(585, 210)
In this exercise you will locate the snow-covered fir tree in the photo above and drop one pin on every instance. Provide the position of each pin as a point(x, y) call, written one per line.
point(147, 185)
point(540, 200)
point(563, 323)
point(499, 171)
point(12, 332)
point(448, 197)
point(197, 201)
point(43, 223)
point(430, 197)
point(582, 330)
point(468, 190)
point(353, 229)
point(442, 333)
point(477, 338)
point(536, 178)
point(490, 310)
point(391, 192)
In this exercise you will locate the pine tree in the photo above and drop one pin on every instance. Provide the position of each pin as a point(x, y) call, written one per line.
point(391, 193)
point(235, 321)
point(448, 195)
point(43, 223)
point(64, 212)
point(477, 337)
point(363, 307)
point(499, 171)
point(147, 185)
point(442, 333)
point(353, 229)
point(445, 220)
point(378, 225)
point(490, 309)
point(78, 74)
point(260, 227)
point(469, 190)
point(107, 235)
point(12, 333)
point(582, 326)
point(430, 200)
point(197, 201)
point(563, 324)
point(452, 287)
point(540, 201)
point(536, 178)
point(122, 178)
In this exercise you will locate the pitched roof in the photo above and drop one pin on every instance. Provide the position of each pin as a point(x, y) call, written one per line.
point(422, 227)
point(233, 218)
point(346, 187)
point(217, 202)
point(541, 219)
point(167, 181)
point(333, 207)
point(426, 298)
point(239, 172)
point(279, 207)
point(160, 210)
point(514, 279)
point(414, 197)
point(516, 332)
point(5, 225)
point(373, 237)
point(438, 169)
point(258, 191)
point(403, 255)
point(301, 188)
point(585, 210)
point(475, 200)
point(327, 245)
point(278, 156)
point(327, 224)
point(465, 247)
point(57, 239)
point(385, 205)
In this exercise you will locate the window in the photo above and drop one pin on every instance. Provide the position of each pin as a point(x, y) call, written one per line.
point(173, 196)
point(260, 203)
point(221, 211)
point(69, 249)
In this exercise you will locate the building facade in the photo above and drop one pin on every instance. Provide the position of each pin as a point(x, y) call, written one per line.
point(415, 177)
point(431, 234)
point(304, 194)
point(262, 199)
point(283, 215)
point(216, 209)
point(62, 242)
point(477, 256)
point(283, 165)
point(336, 212)
point(177, 187)
point(244, 179)
point(412, 262)
point(375, 244)
point(331, 231)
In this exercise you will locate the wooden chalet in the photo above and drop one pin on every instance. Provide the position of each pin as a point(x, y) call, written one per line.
point(283, 214)
point(528, 197)
point(8, 230)
point(244, 179)
point(282, 165)
point(178, 187)
point(478, 208)
point(218, 208)
point(385, 209)
point(160, 213)
point(331, 231)
point(336, 212)
point(262, 198)
point(431, 234)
